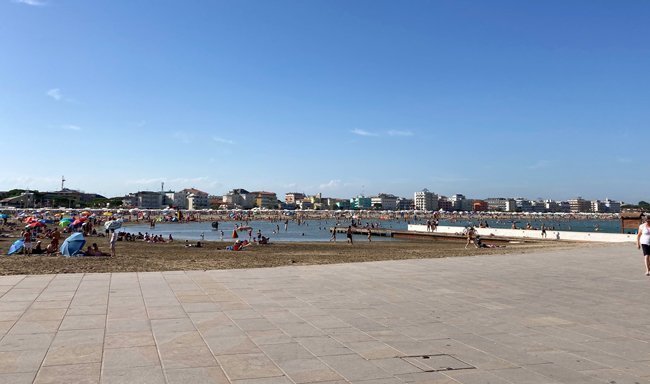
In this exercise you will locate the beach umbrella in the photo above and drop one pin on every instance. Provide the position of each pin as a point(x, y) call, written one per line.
point(85, 213)
point(73, 245)
point(234, 234)
point(16, 247)
point(113, 224)
point(107, 213)
point(35, 224)
point(4, 216)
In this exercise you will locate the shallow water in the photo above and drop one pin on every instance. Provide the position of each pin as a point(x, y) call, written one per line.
point(318, 230)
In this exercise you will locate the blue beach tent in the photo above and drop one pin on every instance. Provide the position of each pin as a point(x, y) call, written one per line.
point(73, 245)
point(16, 247)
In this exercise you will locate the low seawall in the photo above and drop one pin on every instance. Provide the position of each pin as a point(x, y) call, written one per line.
point(533, 234)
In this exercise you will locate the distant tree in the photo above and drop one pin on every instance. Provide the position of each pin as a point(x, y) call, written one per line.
point(644, 205)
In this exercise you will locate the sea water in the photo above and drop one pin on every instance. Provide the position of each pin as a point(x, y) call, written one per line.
point(318, 230)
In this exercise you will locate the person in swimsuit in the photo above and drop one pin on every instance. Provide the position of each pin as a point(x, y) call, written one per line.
point(643, 242)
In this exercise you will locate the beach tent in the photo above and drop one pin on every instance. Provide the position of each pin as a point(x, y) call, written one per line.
point(16, 247)
point(73, 245)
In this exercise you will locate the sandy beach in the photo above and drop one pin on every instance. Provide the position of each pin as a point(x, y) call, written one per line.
point(139, 256)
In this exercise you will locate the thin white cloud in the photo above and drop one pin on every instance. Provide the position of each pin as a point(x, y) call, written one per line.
point(332, 184)
point(222, 140)
point(624, 160)
point(399, 133)
point(55, 93)
point(33, 3)
point(70, 127)
point(361, 132)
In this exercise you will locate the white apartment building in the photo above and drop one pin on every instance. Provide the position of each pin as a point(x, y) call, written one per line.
point(425, 200)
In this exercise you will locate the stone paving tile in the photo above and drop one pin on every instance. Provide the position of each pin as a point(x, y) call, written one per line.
point(21, 361)
point(29, 327)
point(248, 366)
point(122, 358)
point(232, 345)
point(266, 380)
point(203, 375)
point(354, 367)
point(308, 371)
point(83, 322)
point(129, 339)
point(286, 352)
point(138, 375)
point(17, 378)
point(65, 374)
point(186, 357)
point(22, 342)
point(324, 346)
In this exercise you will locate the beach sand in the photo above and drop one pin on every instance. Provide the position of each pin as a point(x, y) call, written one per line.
point(140, 256)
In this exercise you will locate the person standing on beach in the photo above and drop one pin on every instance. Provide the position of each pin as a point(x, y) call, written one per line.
point(348, 234)
point(112, 242)
point(369, 235)
point(470, 236)
point(543, 231)
point(27, 242)
point(333, 238)
point(643, 242)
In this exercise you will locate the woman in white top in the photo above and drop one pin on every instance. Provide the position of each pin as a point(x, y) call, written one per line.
point(643, 241)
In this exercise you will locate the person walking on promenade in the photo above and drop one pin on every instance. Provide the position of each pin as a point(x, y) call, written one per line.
point(543, 231)
point(333, 238)
point(112, 242)
point(643, 242)
point(348, 234)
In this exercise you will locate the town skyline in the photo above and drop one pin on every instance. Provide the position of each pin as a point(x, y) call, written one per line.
point(503, 98)
point(280, 195)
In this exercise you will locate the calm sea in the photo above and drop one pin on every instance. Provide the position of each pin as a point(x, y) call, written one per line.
point(318, 230)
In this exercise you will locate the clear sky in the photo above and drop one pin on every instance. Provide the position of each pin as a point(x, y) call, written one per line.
point(495, 98)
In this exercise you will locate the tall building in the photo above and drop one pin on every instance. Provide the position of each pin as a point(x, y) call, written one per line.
point(580, 205)
point(239, 198)
point(496, 203)
point(425, 200)
point(384, 201)
point(293, 197)
point(196, 199)
point(404, 204)
point(265, 199)
point(360, 202)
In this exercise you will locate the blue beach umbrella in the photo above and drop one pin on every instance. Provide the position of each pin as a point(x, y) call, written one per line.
point(16, 247)
point(73, 245)
point(4, 216)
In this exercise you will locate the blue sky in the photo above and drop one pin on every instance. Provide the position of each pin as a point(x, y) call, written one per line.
point(486, 98)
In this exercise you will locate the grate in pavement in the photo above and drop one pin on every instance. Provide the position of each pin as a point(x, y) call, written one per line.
point(437, 362)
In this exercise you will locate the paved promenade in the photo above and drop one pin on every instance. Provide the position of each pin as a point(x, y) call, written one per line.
point(573, 316)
